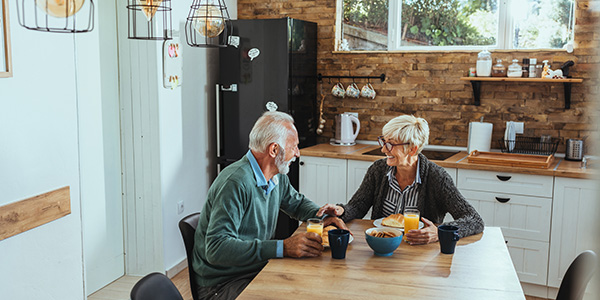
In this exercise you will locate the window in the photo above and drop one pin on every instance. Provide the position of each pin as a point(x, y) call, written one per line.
point(454, 24)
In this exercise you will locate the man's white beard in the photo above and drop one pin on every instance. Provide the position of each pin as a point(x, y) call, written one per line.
point(283, 166)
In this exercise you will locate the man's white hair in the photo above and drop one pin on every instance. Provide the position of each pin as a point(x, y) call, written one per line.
point(271, 127)
point(408, 129)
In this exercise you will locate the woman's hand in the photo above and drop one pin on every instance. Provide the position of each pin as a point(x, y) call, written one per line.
point(425, 235)
point(330, 209)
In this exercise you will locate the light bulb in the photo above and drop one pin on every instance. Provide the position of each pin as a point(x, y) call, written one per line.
point(60, 8)
point(151, 9)
point(209, 21)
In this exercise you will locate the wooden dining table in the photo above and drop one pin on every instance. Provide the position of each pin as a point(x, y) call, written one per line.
point(480, 268)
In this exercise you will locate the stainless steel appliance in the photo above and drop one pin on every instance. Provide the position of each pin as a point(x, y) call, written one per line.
point(574, 150)
point(272, 67)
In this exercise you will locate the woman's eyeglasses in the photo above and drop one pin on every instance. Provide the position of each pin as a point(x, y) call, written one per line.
point(389, 146)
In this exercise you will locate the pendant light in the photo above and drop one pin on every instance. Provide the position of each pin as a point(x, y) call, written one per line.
point(149, 19)
point(208, 24)
point(64, 16)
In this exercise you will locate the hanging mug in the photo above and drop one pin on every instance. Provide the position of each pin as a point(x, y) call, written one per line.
point(338, 90)
point(368, 91)
point(353, 91)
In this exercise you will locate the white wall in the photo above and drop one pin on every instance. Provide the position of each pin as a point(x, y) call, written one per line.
point(187, 135)
point(39, 153)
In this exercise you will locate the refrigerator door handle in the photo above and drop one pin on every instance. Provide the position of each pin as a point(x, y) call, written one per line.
point(218, 118)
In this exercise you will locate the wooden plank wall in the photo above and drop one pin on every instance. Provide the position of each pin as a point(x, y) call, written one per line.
point(29, 213)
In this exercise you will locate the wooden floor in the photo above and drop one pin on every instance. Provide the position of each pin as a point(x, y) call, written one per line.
point(119, 290)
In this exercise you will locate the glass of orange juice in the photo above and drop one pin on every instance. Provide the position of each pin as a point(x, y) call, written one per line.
point(314, 225)
point(411, 220)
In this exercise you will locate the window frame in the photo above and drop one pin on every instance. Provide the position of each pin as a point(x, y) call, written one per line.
point(504, 39)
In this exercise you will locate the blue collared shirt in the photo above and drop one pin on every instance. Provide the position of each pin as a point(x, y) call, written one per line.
point(261, 181)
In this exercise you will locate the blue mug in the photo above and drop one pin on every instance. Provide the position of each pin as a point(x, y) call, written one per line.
point(338, 242)
point(448, 236)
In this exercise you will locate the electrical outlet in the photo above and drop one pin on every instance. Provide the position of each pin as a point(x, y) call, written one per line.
point(180, 207)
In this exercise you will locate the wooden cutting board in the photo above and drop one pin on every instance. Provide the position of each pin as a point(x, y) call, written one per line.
point(511, 159)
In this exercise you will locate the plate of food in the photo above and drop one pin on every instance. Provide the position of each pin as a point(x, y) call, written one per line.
point(393, 221)
point(325, 236)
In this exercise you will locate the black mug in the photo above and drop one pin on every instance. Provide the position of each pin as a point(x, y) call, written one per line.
point(448, 236)
point(338, 242)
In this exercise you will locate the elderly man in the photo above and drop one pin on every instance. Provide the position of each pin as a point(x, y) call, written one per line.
point(233, 241)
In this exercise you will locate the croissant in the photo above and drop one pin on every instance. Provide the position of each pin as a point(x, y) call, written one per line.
point(396, 220)
point(325, 235)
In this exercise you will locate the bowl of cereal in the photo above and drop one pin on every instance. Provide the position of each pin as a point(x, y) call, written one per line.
point(383, 241)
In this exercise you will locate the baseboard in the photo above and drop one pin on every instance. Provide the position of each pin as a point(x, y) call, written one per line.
point(177, 268)
point(540, 291)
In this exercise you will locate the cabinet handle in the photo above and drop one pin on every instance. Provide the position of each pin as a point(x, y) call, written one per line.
point(502, 200)
point(503, 178)
point(302, 163)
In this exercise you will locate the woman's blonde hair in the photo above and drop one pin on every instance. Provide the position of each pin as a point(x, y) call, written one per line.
point(407, 129)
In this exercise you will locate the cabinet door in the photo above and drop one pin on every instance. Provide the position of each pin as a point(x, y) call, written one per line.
point(356, 172)
point(574, 220)
point(323, 180)
point(519, 216)
point(530, 259)
point(514, 183)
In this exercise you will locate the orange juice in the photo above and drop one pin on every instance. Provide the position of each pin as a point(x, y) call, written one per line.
point(411, 220)
point(316, 228)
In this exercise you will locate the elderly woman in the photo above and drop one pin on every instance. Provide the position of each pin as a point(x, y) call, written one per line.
point(406, 178)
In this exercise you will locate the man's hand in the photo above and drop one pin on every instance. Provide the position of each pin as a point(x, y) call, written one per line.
point(425, 235)
point(306, 244)
point(337, 222)
point(330, 209)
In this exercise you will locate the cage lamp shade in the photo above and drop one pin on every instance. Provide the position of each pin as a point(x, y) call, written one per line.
point(207, 24)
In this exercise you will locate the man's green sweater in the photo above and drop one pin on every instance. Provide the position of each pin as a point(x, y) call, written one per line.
point(237, 224)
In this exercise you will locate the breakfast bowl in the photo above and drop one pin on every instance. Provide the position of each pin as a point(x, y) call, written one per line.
point(383, 240)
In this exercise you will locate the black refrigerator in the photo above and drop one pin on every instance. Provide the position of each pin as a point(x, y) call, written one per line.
point(269, 64)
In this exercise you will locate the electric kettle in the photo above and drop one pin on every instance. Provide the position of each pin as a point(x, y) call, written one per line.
point(344, 132)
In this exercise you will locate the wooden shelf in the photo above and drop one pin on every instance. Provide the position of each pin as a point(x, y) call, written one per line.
point(476, 83)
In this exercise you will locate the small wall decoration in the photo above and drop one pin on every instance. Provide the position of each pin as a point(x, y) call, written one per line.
point(5, 59)
point(172, 69)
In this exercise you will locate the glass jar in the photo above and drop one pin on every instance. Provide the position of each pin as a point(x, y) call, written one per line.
point(514, 70)
point(498, 70)
point(484, 63)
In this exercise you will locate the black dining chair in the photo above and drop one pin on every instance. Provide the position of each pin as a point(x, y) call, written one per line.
point(187, 226)
point(579, 273)
point(155, 286)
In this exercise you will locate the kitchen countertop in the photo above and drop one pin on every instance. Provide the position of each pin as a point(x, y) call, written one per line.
point(559, 167)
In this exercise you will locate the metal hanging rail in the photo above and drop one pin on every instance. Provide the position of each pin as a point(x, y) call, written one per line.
point(381, 77)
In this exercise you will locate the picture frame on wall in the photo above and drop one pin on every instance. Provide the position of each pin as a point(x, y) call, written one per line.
point(5, 59)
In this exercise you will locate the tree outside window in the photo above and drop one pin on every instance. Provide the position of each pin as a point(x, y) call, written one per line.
point(504, 24)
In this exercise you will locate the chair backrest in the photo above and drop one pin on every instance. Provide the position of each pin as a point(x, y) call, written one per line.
point(577, 276)
point(187, 226)
point(155, 286)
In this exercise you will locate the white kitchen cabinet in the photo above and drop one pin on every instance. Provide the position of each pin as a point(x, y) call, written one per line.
point(519, 216)
point(575, 215)
point(530, 259)
point(323, 180)
point(502, 182)
point(521, 205)
point(356, 172)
